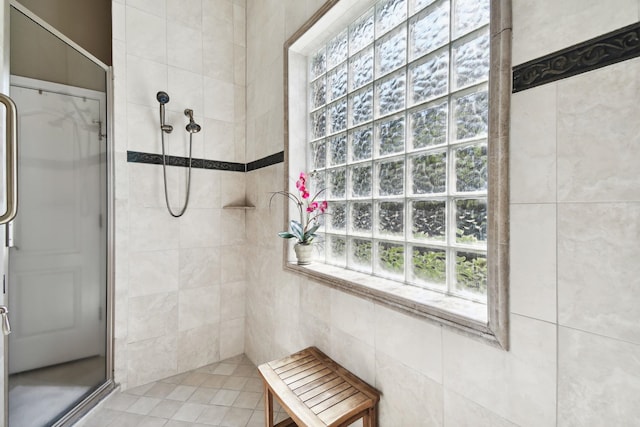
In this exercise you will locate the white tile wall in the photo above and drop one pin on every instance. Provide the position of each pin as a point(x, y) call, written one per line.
point(598, 268)
point(573, 164)
point(532, 158)
point(598, 380)
point(170, 280)
point(543, 27)
point(597, 131)
point(574, 334)
point(533, 260)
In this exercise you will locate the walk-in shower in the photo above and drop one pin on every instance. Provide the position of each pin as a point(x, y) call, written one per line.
point(192, 127)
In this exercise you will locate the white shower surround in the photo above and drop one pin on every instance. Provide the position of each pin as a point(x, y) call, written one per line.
point(561, 227)
point(180, 283)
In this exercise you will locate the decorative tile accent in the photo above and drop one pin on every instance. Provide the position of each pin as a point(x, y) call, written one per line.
point(266, 161)
point(598, 52)
point(156, 159)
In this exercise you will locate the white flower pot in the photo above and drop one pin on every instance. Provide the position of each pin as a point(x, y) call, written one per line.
point(303, 253)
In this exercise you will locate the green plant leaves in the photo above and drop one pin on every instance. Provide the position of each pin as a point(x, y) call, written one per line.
point(296, 227)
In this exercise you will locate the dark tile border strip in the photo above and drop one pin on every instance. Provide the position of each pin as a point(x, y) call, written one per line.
point(156, 159)
point(266, 161)
point(610, 48)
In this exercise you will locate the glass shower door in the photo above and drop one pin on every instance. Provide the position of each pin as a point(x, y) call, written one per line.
point(57, 281)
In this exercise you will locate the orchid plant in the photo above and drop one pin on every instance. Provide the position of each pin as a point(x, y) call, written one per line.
point(310, 209)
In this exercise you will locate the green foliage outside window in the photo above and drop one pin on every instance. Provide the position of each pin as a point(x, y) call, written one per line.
point(471, 272)
point(429, 265)
point(391, 257)
point(362, 251)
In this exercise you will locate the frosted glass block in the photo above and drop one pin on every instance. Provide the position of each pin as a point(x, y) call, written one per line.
point(390, 136)
point(390, 93)
point(318, 154)
point(361, 32)
point(428, 125)
point(390, 174)
point(337, 183)
point(338, 149)
point(417, 5)
point(389, 13)
point(361, 143)
point(429, 173)
point(429, 77)
point(318, 93)
point(390, 218)
point(337, 50)
point(429, 30)
point(471, 115)
point(471, 168)
point(317, 183)
point(361, 106)
point(471, 221)
point(360, 217)
point(390, 259)
point(469, 15)
point(338, 116)
point(318, 64)
point(391, 51)
point(471, 61)
point(337, 82)
point(471, 272)
point(428, 266)
point(337, 250)
point(360, 180)
point(360, 255)
point(361, 68)
point(318, 124)
point(337, 220)
point(428, 219)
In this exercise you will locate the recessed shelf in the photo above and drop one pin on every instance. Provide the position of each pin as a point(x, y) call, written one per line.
point(245, 207)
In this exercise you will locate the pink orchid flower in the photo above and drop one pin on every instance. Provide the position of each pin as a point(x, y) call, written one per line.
point(312, 207)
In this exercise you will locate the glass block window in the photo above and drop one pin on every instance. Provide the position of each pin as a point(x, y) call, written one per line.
point(398, 119)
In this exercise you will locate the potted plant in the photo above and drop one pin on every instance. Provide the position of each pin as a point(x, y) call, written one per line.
point(310, 210)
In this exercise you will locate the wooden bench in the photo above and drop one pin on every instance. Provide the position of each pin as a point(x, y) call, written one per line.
point(317, 392)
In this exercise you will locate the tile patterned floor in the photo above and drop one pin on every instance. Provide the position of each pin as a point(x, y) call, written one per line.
point(225, 394)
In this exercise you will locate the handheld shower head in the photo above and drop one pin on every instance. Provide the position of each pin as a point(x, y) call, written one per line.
point(192, 126)
point(163, 98)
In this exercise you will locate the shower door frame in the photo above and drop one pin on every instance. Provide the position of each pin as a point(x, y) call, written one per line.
point(89, 401)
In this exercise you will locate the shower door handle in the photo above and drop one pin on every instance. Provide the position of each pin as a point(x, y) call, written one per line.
point(11, 153)
point(4, 313)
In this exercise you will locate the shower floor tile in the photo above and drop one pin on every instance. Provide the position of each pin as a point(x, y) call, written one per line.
point(228, 393)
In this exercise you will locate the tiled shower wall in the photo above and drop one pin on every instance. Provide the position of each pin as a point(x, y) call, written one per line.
point(575, 210)
point(180, 283)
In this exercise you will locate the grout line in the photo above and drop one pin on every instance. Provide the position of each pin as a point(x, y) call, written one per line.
point(556, 257)
point(598, 334)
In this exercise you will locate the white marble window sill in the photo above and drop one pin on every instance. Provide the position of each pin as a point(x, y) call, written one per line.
point(468, 316)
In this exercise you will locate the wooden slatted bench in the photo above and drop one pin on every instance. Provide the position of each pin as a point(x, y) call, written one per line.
point(317, 392)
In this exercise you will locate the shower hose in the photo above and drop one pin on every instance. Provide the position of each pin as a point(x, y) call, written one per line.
point(164, 175)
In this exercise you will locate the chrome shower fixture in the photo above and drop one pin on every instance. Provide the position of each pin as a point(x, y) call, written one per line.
point(192, 126)
point(163, 98)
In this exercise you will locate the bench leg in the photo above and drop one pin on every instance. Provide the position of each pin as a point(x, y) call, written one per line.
point(268, 407)
point(370, 418)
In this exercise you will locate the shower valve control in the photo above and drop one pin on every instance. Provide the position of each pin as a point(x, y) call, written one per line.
point(6, 327)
